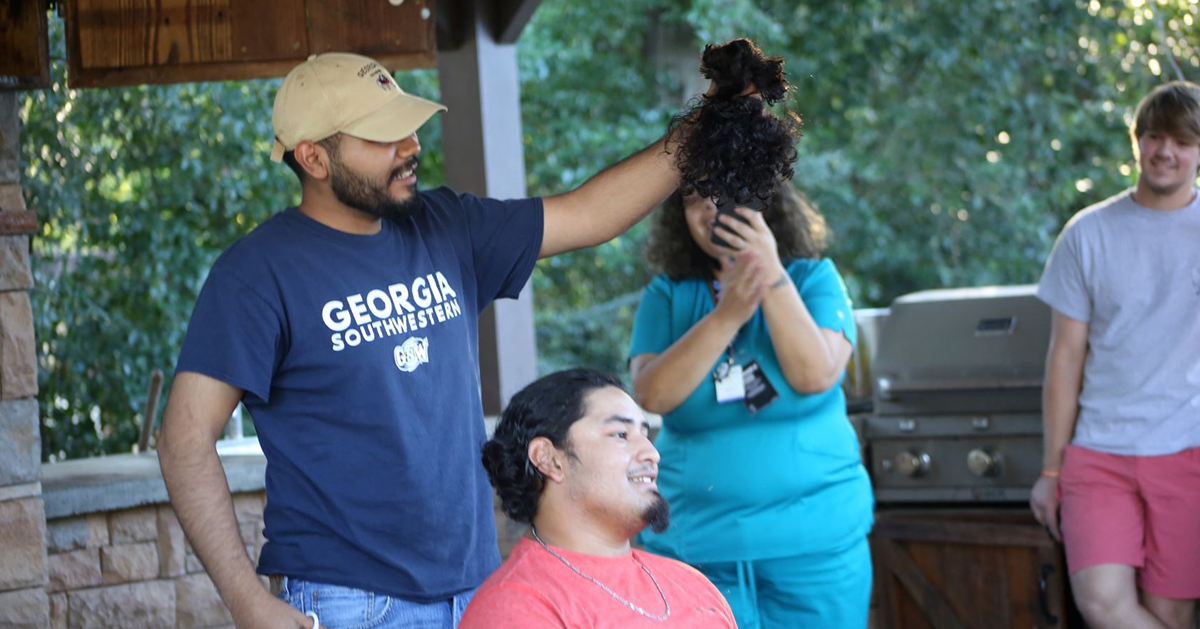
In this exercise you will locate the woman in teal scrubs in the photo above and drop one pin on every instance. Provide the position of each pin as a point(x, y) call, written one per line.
point(742, 349)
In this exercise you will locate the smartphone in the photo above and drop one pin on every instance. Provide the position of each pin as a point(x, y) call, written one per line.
point(727, 207)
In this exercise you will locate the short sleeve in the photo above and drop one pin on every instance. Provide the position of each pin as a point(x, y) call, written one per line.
point(510, 607)
point(1064, 284)
point(506, 237)
point(824, 295)
point(652, 322)
point(234, 336)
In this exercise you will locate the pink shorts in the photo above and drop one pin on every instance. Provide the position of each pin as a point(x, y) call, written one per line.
point(1140, 511)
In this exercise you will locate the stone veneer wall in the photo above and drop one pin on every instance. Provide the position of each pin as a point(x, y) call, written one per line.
point(133, 568)
point(22, 516)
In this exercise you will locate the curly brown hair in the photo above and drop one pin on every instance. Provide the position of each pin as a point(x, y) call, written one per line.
point(800, 232)
point(728, 146)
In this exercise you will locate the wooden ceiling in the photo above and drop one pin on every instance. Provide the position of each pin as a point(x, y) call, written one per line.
point(133, 42)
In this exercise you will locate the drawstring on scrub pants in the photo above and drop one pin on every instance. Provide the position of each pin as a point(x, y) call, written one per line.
point(748, 586)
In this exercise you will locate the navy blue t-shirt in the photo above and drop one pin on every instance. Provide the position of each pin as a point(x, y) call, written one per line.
point(358, 356)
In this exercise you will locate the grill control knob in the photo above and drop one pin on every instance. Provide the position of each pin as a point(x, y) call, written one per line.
point(983, 463)
point(913, 463)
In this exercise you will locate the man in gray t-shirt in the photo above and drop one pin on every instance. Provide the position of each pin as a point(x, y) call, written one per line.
point(1122, 382)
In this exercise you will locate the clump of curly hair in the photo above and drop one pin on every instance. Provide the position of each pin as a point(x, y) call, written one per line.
point(799, 229)
point(545, 408)
point(730, 147)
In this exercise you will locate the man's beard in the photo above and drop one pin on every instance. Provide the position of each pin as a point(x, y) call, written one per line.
point(362, 194)
point(658, 515)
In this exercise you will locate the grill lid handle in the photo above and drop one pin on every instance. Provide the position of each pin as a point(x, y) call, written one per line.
point(889, 390)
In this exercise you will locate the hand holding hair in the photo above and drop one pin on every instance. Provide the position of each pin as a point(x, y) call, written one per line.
point(730, 146)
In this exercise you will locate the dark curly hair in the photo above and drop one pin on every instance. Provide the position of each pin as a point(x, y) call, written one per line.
point(730, 147)
point(546, 408)
point(800, 232)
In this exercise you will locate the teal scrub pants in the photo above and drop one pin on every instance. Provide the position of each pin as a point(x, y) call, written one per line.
point(824, 590)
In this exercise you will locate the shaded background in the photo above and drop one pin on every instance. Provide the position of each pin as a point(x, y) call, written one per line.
point(945, 141)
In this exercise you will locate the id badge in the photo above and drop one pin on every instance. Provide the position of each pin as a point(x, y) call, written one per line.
point(731, 386)
point(757, 390)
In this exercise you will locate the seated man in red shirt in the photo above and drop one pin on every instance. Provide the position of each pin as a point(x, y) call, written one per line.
point(572, 456)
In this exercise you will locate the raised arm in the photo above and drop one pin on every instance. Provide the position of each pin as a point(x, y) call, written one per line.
point(812, 358)
point(197, 410)
point(1060, 408)
point(610, 202)
point(661, 382)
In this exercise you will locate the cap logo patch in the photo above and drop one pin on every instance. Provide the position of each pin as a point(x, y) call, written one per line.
point(384, 82)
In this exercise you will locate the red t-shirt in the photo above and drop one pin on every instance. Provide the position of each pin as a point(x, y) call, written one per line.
point(535, 590)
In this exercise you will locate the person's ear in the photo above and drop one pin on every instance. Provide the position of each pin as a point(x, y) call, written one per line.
point(313, 158)
point(547, 459)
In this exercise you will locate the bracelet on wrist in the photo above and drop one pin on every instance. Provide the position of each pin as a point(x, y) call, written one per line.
point(783, 279)
point(1051, 473)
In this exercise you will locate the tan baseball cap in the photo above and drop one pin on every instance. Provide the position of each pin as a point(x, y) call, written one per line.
point(341, 92)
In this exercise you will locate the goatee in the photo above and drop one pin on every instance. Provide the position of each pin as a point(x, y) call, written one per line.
point(658, 514)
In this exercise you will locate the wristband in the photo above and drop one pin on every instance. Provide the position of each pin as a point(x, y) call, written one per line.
point(783, 279)
point(1051, 473)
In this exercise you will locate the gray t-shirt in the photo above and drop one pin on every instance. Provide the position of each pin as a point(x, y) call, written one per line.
point(1133, 274)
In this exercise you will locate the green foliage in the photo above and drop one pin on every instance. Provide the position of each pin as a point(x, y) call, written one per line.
point(588, 99)
point(946, 142)
point(139, 189)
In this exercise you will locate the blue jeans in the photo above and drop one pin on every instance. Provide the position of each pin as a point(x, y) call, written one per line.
point(340, 607)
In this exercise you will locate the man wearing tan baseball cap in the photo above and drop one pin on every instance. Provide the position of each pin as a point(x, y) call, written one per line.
point(343, 93)
point(347, 326)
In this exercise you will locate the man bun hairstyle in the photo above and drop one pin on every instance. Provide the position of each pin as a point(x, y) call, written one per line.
point(545, 408)
point(730, 146)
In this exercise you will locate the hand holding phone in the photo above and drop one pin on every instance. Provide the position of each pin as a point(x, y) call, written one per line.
point(727, 206)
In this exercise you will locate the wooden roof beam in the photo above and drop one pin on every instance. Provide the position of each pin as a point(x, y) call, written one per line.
point(510, 18)
point(506, 19)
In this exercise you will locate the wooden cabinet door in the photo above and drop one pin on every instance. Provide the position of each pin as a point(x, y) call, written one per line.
point(984, 568)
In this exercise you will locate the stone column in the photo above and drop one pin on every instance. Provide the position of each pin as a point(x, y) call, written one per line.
point(23, 601)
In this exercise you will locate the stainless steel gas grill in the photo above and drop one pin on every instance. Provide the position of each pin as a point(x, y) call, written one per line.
point(957, 396)
point(954, 443)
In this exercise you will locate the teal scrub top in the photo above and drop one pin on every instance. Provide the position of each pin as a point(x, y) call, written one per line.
point(785, 481)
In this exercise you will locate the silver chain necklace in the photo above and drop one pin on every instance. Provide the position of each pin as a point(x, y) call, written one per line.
point(659, 617)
